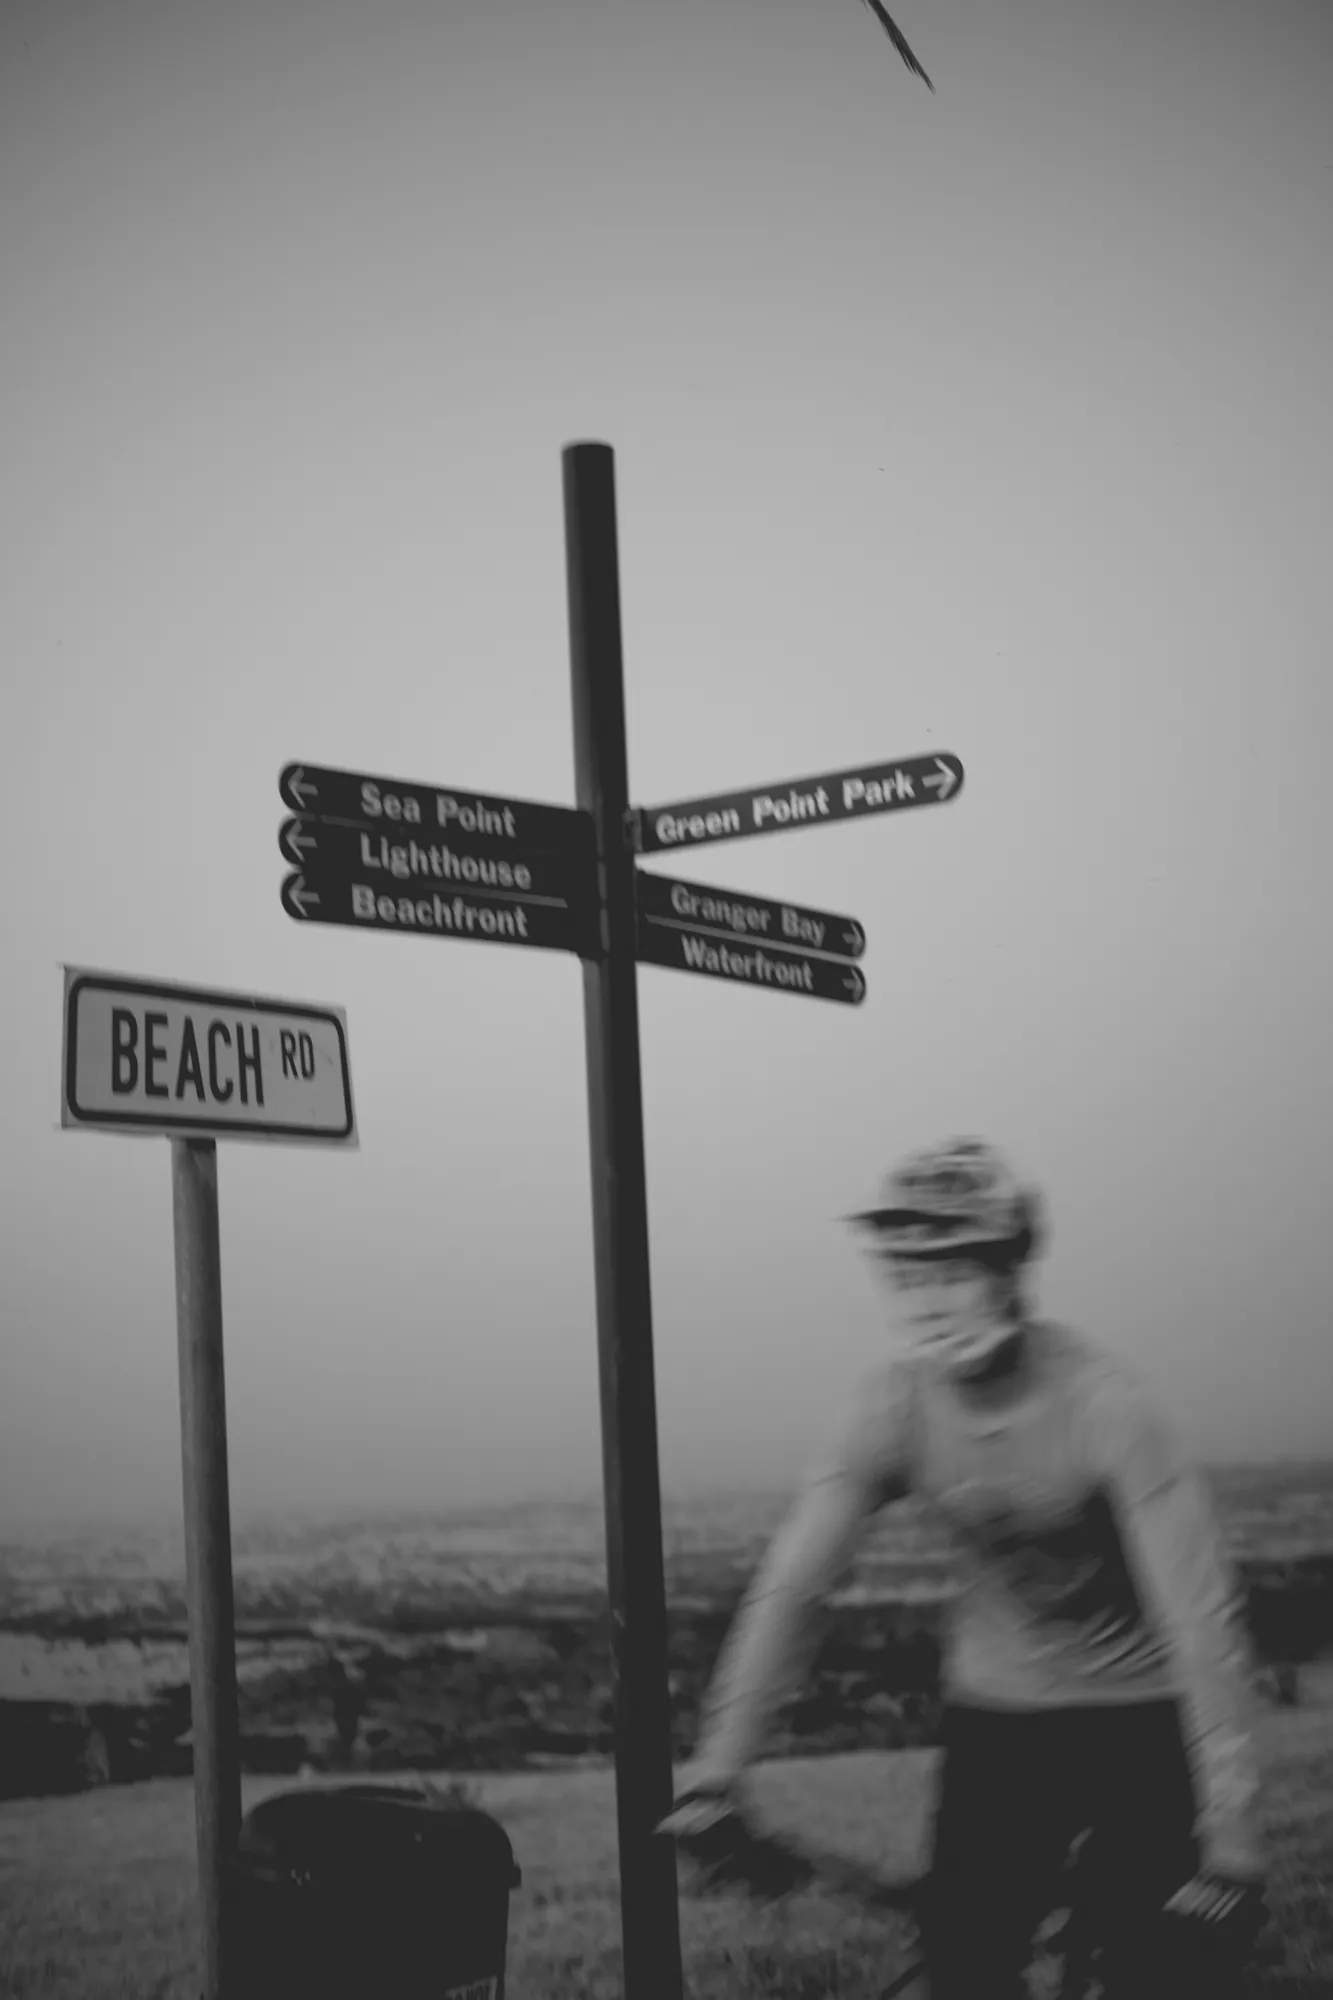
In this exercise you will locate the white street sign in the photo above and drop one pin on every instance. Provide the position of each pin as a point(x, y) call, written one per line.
point(142, 1055)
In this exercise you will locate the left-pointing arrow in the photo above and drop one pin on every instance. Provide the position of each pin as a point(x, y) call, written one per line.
point(296, 898)
point(295, 841)
point(296, 788)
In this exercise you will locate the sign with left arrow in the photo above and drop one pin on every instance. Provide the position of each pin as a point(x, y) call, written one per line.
point(405, 809)
point(485, 866)
point(382, 854)
point(492, 918)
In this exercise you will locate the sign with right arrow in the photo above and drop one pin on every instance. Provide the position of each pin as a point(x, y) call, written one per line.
point(663, 899)
point(722, 957)
point(850, 794)
point(696, 927)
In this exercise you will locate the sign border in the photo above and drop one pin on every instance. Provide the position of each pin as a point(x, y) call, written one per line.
point(147, 1125)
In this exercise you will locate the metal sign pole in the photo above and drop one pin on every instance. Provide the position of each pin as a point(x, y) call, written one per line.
point(208, 1581)
point(650, 1919)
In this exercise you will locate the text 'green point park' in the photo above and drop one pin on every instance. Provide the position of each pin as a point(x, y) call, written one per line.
point(839, 795)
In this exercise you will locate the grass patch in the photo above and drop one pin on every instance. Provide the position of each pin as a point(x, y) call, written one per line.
point(98, 1900)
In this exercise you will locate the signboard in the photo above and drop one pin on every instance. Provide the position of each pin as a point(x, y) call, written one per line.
point(144, 1056)
point(687, 950)
point(850, 794)
point(402, 810)
point(385, 861)
point(380, 854)
point(733, 913)
point(440, 912)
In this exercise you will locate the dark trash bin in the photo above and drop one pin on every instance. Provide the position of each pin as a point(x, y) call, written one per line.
point(371, 1892)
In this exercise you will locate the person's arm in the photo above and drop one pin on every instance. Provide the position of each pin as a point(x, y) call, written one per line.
point(768, 1649)
point(1179, 1561)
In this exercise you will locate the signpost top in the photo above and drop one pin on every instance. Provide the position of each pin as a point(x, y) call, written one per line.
point(144, 1055)
point(850, 794)
point(396, 805)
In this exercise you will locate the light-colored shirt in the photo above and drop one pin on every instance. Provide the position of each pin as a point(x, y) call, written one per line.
point(1089, 1564)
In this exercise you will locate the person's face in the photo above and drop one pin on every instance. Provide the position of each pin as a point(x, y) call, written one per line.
point(953, 1308)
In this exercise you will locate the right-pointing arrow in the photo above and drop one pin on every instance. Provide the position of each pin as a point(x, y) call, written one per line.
point(946, 780)
point(855, 984)
point(855, 939)
point(296, 897)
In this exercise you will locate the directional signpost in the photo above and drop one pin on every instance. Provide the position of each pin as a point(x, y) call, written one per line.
point(479, 867)
point(194, 1065)
point(394, 805)
point(752, 965)
point(501, 919)
point(383, 854)
point(852, 794)
point(663, 899)
point(697, 928)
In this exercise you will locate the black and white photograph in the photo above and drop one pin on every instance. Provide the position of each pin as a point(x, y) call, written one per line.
point(528, 1471)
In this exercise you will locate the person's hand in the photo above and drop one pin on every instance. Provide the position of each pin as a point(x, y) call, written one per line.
point(710, 1826)
point(699, 1812)
point(1222, 1912)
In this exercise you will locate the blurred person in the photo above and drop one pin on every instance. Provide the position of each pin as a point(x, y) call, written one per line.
point(1095, 1676)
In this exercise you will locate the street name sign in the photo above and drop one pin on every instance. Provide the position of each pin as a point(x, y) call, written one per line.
point(150, 1057)
point(394, 805)
point(685, 950)
point(494, 917)
point(839, 795)
point(733, 913)
point(141, 1055)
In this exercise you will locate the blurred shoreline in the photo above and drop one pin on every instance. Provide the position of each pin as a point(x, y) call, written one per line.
point(404, 1639)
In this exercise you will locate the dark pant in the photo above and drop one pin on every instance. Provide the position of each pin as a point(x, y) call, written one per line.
point(1017, 1787)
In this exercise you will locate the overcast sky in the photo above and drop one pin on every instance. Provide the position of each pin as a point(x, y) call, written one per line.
point(996, 421)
